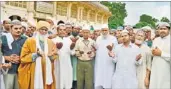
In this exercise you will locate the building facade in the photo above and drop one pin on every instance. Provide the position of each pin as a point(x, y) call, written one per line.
point(84, 13)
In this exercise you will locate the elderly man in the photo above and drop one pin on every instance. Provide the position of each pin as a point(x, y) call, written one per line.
point(104, 67)
point(36, 70)
point(143, 70)
point(65, 46)
point(11, 49)
point(127, 57)
point(96, 32)
point(160, 71)
point(85, 53)
point(147, 31)
point(53, 30)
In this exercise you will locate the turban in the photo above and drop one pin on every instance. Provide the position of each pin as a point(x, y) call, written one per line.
point(43, 24)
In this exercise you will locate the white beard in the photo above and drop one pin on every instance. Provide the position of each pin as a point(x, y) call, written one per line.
point(42, 37)
point(138, 41)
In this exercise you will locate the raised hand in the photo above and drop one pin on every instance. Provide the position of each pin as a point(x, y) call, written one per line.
point(59, 45)
point(138, 57)
point(72, 45)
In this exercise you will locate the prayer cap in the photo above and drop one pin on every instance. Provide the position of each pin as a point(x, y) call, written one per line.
point(16, 22)
point(31, 22)
point(163, 24)
point(145, 28)
point(97, 27)
point(104, 26)
point(124, 31)
point(86, 27)
point(24, 24)
point(43, 24)
point(120, 28)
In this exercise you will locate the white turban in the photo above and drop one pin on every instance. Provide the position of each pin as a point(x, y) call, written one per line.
point(163, 24)
point(86, 27)
point(24, 24)
point(124, 31)
point(146, 28)
point(105, 26)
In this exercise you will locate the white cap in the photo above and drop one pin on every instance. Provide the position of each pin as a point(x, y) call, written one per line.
point(86, 27)
point(61, 24)
point(32, 22)
point(24, 24)
point(146, 28)
point(124, 31)
point(97, 27)
point(163, 24)
point(104, 26)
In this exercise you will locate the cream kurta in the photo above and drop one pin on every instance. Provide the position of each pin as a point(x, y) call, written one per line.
point(146, 64)
point(160, 71)
point(65, 71)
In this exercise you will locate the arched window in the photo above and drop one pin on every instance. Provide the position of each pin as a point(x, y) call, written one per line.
point(22, 4)
point(74, 11)
point(61, 8)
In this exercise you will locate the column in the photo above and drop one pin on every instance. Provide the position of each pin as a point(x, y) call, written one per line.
point(69, 10)
point(103, 19)
point(96, 17)
point(54, 10)
point(30, 9)
point(88, 15)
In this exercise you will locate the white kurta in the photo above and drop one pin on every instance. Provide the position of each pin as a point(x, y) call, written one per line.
point(104, 66)
point(160, 71)
point(146, 64)
point(125, 74)
point(66, 74)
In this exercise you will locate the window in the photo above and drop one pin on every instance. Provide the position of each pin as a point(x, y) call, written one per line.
point(61, 8)
point(92, 16)
point(22, 4)
point(74, 11)
point(99, 18)
point(85, 10)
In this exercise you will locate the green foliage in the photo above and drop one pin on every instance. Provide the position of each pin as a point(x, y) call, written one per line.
point(118, 13)
point(165, 19)
point(146, 20)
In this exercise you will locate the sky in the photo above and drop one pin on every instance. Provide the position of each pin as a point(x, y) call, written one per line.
point(154, 9)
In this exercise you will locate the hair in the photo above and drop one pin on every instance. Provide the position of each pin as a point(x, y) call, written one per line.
point(15, 22)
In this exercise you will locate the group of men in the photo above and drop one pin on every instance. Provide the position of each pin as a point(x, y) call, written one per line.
point(66, 56)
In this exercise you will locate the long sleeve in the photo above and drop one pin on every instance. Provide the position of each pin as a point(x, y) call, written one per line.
point(166, 55)
point(139, 61)
point(26, 54)
point(149, 60)
point(54, 56)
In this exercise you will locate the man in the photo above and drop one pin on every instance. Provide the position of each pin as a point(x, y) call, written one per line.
point(32, 28)
point(52, 32)
point(24, 27)
point(147, 31)
point(104, 67)
point(160, 71)
point(68, 29)
point(74, 37)
point(36, 70)
point(6, 26)
point(127, 57)
point(96, 32)
point(11, 49)
point(112, 32)
point(85, 53)
point(143, 70)
point(64, 50)
point(129, 29)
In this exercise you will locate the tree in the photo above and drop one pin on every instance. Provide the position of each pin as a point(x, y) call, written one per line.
point(165, 19)
point(118, 13)
point(146, 20)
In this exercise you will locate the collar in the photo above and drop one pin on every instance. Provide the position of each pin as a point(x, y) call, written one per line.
point(130, 45)
point(166, 37)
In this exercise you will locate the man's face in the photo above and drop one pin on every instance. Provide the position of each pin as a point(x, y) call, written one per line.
point(16, 30)
point(86, 34)
point(43, 30)
point(105, 31)
point(97, 32)
point(68, 29)
point(62, 31)
point(7, 25)
point(164, 31)
point(120, 40)
point(23, 30)
point(157, 32)
point(139, 38)
point(132, 37)
point(125, 37)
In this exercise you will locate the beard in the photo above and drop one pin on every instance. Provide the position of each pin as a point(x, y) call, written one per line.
point(138, 41)
point(42, 37)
